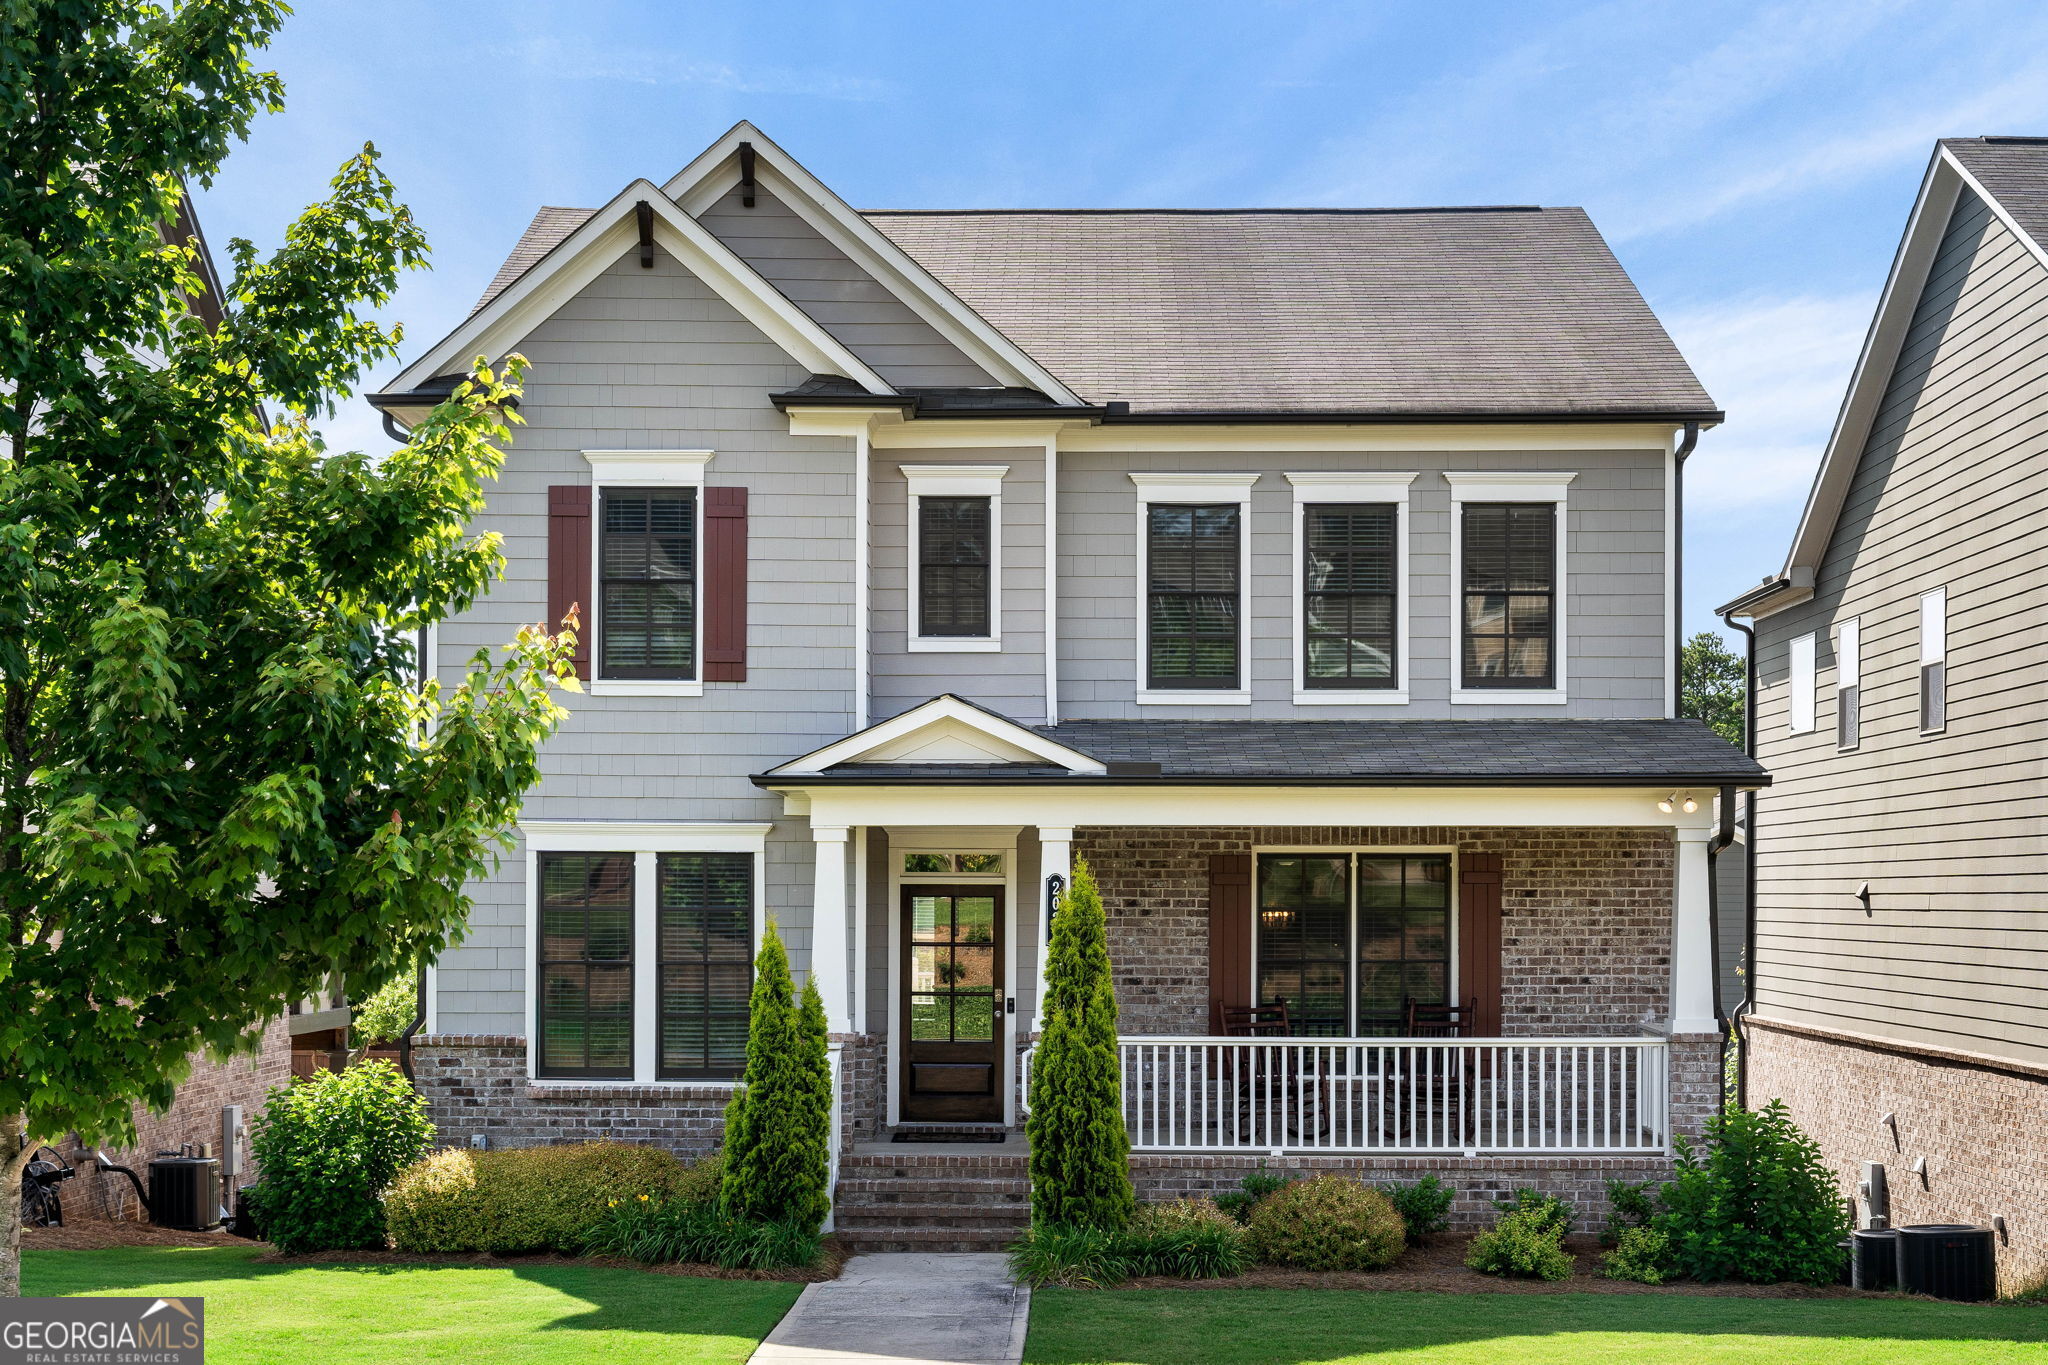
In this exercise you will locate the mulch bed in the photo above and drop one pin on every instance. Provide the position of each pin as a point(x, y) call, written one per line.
point(99, 1234)
point(1438, 1266)
point(831, 1259)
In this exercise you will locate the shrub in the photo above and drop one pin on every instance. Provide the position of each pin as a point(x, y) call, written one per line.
point(779, 1124)
point(1327, 1223)
point(1238, 1203)
point(1424, 1206)
point(1642, 1254)
point(1527, 1244)
point(701, 1183)
point(328, 1147)
point(1760, 1206)
point(1191, 1239)
point(1072, 1257)
point(1628, 1206)
point(665, 1230)
point(523, 1199)
point(388, 1012)
point(1544, 1209)
point(1080, 1175)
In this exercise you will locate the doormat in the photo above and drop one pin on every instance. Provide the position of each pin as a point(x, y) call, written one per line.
point(940, 1135)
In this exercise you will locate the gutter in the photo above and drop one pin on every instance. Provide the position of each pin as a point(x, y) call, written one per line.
point(1723, 837)
point(803, 781)
point(1747, 1005)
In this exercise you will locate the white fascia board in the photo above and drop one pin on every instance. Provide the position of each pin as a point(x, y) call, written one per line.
point(1925, 228)
point(1374, 438)
point(947, 708)
point(649, 836)
point(702, 183)
point(594, 248)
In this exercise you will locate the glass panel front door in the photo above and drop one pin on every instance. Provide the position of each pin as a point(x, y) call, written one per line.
point(953, 1003)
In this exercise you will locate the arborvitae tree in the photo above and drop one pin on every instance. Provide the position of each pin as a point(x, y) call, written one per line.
point(1079, 1171)
point(777, 1128)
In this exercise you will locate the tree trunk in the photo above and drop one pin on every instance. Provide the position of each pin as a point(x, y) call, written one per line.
point(14, 1153)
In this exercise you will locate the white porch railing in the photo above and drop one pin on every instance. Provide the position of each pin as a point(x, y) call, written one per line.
point(1466, 1096)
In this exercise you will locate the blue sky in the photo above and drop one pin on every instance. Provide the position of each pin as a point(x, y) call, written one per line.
point(1751, 164)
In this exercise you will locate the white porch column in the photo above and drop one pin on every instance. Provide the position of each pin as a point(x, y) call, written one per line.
point(1055, 857)
point(1692, 941)
point(828, 926)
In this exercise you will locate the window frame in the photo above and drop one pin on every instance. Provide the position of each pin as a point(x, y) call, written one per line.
point(646, 841)
point(953, 481)
point(1801, 669)
point(1933, 688)
point(632, 966)
point(1320, 489)
point(1498, 486)
point(1184, 489)
point(1849, 684)
point(623, 470)
point(1454, 966)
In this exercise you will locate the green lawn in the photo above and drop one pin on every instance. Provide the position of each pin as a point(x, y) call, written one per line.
point(1240, 1326)
point(343, 1314)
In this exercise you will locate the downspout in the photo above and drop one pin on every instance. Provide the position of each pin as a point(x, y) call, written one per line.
point(1723, 837)
point(419, 1021)
point(1686, 445)
point(1748, 1002)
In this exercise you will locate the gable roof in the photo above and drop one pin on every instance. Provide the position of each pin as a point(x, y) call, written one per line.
point(2010, 174)
point(1198, 314)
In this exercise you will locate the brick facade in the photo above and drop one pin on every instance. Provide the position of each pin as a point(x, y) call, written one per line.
point(194, 1116)
point(1979, 1128)
point(1585, 919)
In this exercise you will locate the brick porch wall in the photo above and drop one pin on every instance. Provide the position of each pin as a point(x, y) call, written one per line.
point(194, 1116)
point(1980, 1129)
point(1585, 931)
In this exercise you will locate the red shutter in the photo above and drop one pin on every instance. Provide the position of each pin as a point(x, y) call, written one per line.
point(1479, 891)
point(725, 585)
point(569, 565)
point(1230, 934)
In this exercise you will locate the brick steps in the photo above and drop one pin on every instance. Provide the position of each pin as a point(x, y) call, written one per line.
point(909, 1201)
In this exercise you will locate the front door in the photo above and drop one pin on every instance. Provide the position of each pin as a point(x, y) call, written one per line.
point(953, 1003)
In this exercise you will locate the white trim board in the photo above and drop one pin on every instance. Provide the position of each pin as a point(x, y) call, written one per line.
point(713, 173)
point(645, 469)
point(1000, 734)
point(1543, 486)
point(594, 248)
point(953, 481)
point(1200, 489)
point(1324, 487)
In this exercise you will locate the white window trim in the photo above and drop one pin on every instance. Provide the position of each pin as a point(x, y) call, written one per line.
point(644, 469)
point(1374, 487)
point(955, 481)
point(1848, 675)
point(1800, 707)
point(1182, 487)
point(1550, 486)
point(1933, 650)
point(644, 839)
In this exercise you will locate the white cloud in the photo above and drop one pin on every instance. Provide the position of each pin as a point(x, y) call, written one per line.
point(583, 60)
point(1778, 367)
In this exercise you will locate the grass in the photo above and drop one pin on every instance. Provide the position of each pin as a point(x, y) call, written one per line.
point(1238, 1327)
point(560, 1314)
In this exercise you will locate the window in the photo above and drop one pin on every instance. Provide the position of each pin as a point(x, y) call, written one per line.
point(1849, 684)
point(1800, 705)
point(1191, 590)
point(973, 864)
point(1934, 661)
point(1350, 599)
point(647, 583)
point(1348, 939)
point(704, 922)
point(1508, 567)
point(585, 966)
point(953, 567)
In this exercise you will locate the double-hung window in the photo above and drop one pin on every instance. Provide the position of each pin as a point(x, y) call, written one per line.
point(1192, 539)
point(647, 628)
point(1351, 610)
point(1510, 561)
point(1849, 683)
point(1800, 704)
point(1349, 940)
point(956, 514)
point(1934, 661)
point(642, 952)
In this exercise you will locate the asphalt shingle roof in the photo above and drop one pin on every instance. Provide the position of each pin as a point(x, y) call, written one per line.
point(1426, 311)
point(2014, 171)
point(1385, 752)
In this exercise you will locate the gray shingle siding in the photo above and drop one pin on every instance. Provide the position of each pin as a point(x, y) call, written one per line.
point(1946, 829)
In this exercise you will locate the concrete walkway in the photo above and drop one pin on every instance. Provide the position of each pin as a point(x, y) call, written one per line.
point(906, 1309)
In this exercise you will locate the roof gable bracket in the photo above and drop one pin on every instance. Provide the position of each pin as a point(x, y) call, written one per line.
point(746, 175)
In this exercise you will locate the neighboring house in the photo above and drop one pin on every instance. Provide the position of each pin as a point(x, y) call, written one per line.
point(1308, 573)
point(1901, 939)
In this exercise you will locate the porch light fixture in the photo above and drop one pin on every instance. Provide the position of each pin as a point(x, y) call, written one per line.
point(1689, 805)
point(1674, 802)
point(1667, 803)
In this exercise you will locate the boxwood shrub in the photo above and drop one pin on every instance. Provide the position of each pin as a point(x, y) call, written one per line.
point(1328, 1222)
point(527, 1199)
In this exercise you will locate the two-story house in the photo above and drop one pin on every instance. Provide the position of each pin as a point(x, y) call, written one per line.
point(1896, 978)
point(1309, 573)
